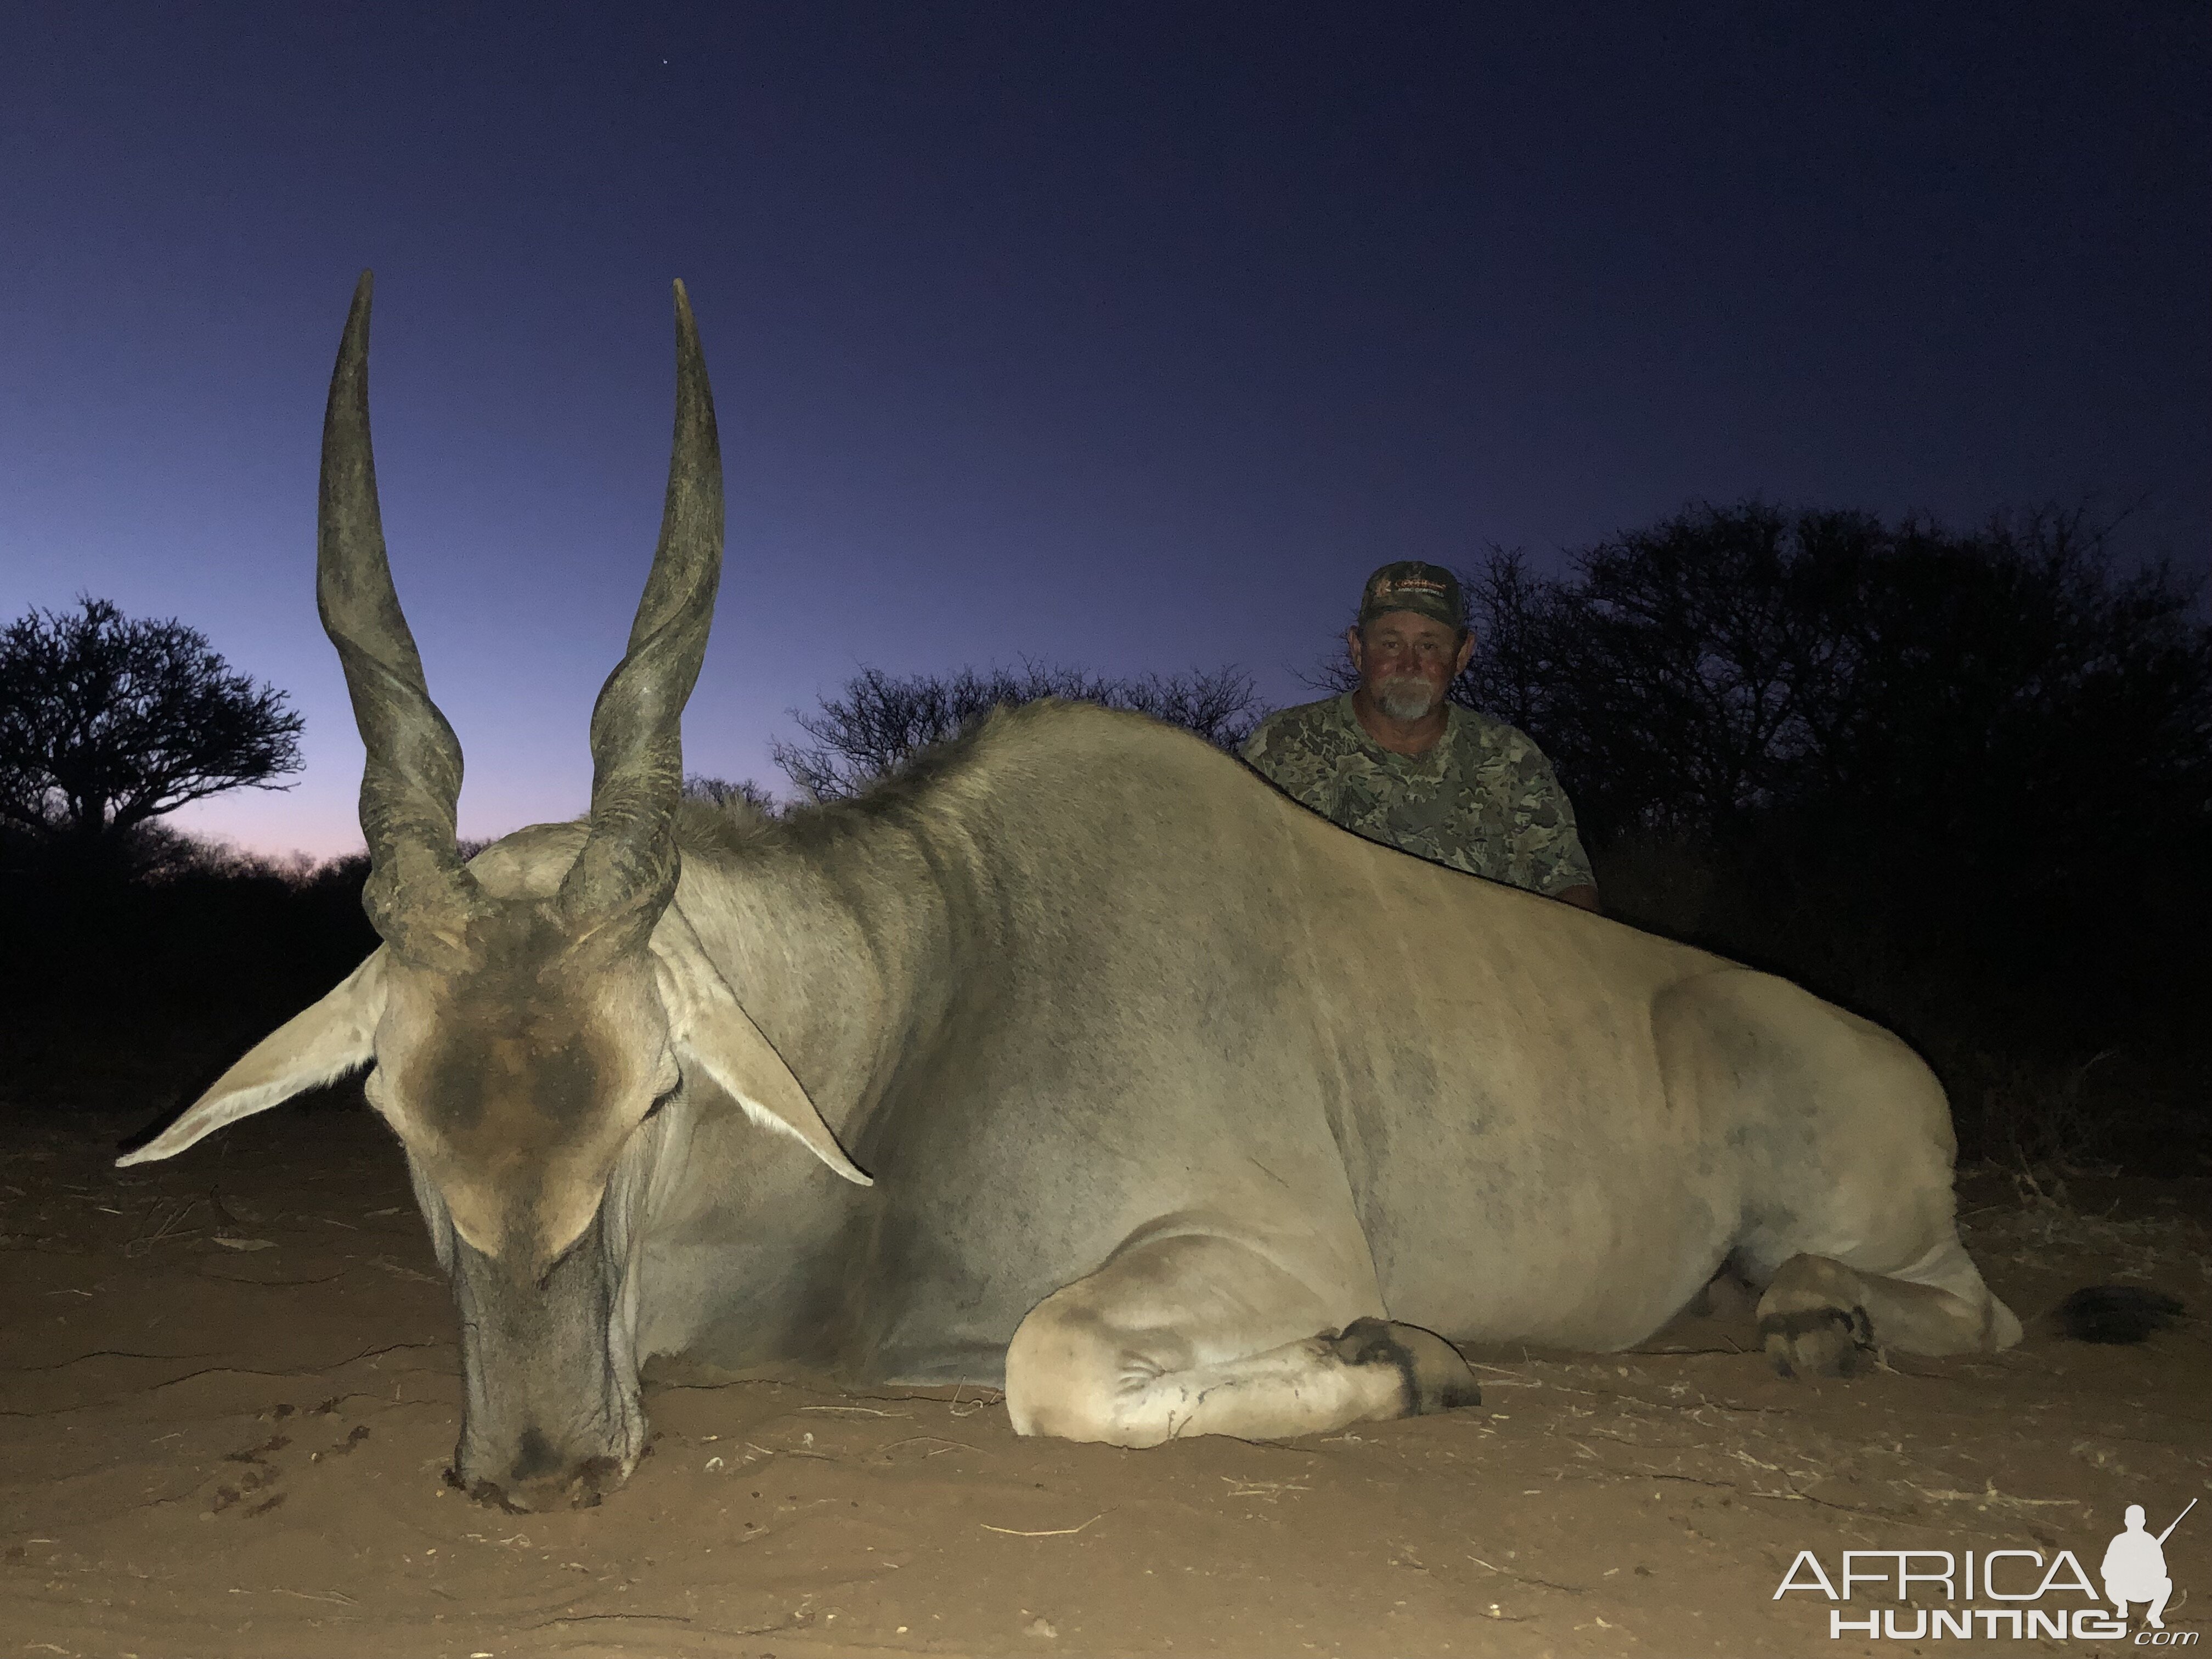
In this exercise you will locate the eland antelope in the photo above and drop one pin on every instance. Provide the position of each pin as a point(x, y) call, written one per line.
point(1075, 1059)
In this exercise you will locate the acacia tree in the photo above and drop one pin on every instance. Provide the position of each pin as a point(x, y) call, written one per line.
point(879, 720)
point(107, 723)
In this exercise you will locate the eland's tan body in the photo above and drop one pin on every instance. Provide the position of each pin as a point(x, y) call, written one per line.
point(1180, 1110)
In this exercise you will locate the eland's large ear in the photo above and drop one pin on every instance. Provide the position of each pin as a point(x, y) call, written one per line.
point(317, 1046)
point(712, 1031)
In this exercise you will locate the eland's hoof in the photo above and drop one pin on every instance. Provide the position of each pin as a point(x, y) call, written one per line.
point(1436, 1379)
point(584, 1488)
point(1818, 1341)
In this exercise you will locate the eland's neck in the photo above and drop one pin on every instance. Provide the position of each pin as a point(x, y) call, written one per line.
point(841, 951)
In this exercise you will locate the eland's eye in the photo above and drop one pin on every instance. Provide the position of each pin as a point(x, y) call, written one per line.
point(660, 1101)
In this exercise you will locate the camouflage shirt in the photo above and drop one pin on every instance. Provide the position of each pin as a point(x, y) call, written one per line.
point(1483, 800)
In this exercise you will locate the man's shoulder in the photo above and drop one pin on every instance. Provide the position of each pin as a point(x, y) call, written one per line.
point(1485, 739)
point(1304, 726)
point(1322, 711)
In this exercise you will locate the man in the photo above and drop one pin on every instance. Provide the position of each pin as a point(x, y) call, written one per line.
point(1392, 761)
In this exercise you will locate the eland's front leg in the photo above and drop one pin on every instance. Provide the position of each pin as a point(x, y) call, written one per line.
point(1201, 1335)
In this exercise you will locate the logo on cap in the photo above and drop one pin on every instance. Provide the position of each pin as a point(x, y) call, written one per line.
point(1427, 590)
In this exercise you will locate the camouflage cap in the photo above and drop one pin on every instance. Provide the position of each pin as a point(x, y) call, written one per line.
point(1426, 590)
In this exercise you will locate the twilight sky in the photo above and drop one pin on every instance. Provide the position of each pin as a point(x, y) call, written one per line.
point(1128, 336)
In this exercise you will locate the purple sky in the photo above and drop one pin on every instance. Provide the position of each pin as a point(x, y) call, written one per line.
point(1122, 336)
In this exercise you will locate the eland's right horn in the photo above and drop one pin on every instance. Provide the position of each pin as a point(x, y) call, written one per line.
point(418, 895)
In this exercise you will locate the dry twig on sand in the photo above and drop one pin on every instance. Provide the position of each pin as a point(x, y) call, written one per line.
point(1051, 1532)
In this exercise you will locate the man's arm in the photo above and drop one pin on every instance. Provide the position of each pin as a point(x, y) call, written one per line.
point(1563, 870)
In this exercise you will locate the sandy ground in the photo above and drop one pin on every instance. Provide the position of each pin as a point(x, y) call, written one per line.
point(228, 1388)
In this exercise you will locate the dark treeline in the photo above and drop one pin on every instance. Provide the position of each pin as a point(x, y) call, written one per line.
point(1960, 782)
point(135, 992)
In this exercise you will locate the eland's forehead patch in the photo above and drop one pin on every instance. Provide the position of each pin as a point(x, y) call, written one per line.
point(521, 1048)
point(513, 1073)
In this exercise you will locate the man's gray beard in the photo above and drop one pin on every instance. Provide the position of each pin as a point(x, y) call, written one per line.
point(1405, 700)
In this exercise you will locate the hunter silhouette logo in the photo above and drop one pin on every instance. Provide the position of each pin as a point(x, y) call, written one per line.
point(2134, 1566)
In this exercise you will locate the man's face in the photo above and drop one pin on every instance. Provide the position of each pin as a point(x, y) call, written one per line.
point(1405, 661)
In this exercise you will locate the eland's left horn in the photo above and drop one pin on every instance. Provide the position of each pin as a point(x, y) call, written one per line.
point(626, 872)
